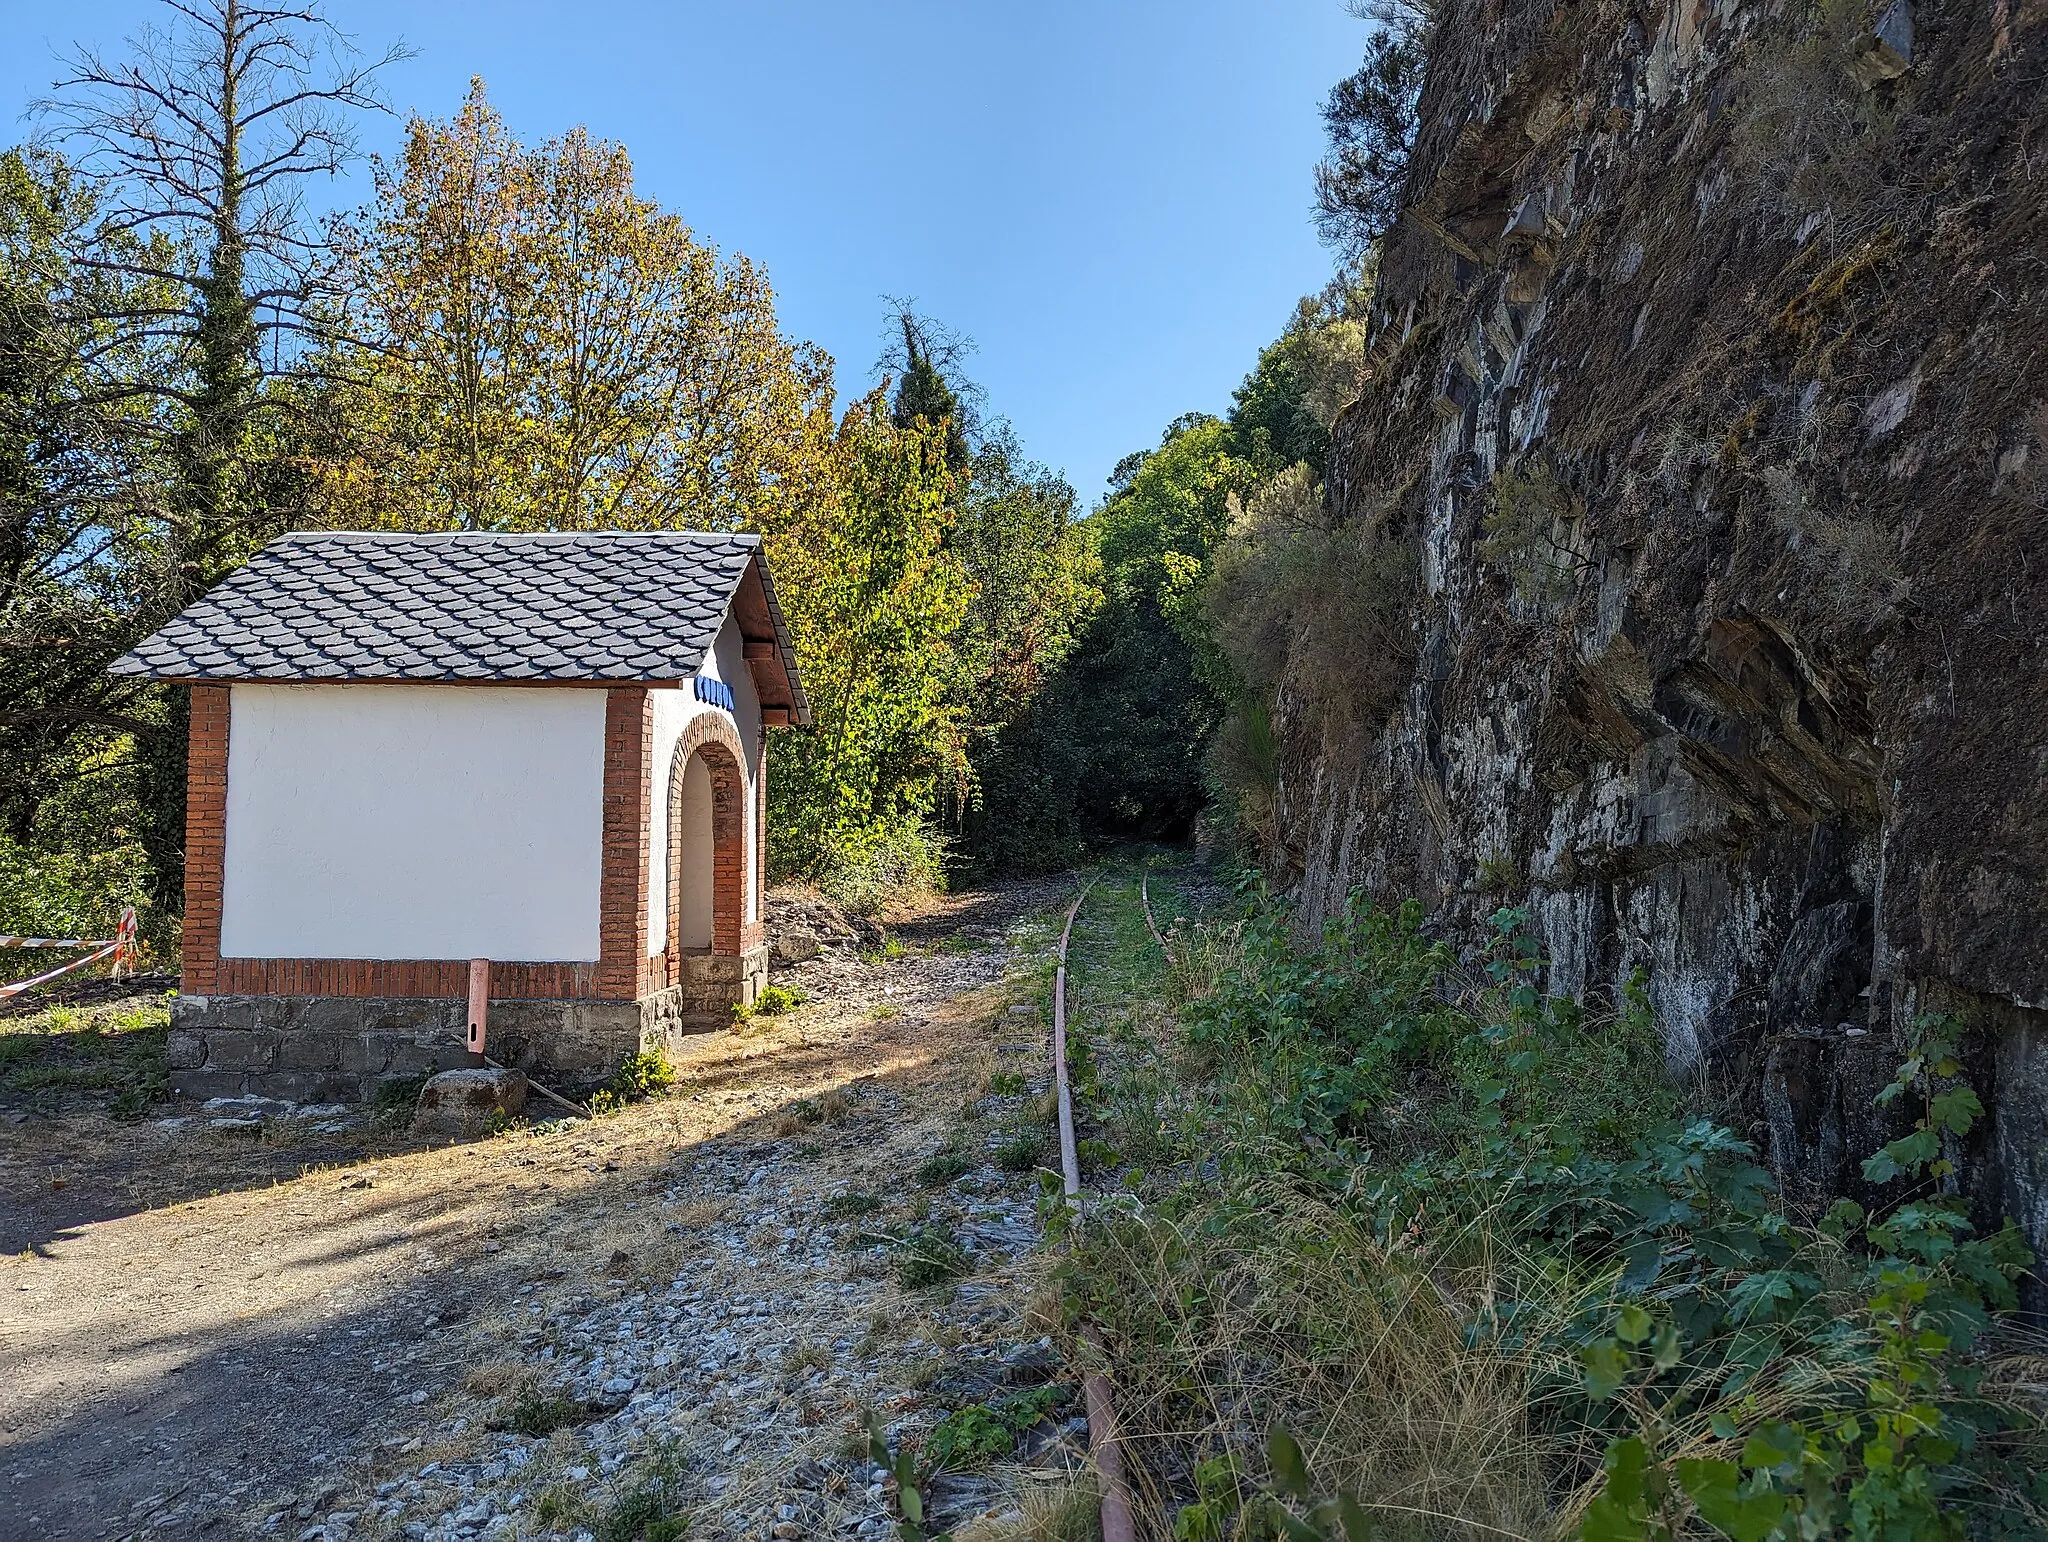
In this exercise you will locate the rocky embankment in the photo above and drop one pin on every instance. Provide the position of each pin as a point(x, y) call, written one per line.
point(1710, 402)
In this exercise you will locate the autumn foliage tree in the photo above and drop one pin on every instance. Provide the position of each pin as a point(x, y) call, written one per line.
point(506, 337)
point(532, 345)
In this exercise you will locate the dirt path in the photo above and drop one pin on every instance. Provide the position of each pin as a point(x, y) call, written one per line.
point(688, 1307)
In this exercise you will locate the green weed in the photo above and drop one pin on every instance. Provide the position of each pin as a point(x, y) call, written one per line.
point(973, 1435)
point(537, 1411)
point(943, 1167)
point(773, 1001)
point(1461, 1236)
point(929, 1255)
point(645, 1074)
point(1019, 1153)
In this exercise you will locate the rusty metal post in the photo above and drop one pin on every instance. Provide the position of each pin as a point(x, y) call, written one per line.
point(479, 1006)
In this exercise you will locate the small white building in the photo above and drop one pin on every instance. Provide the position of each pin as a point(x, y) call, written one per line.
point(409, 752)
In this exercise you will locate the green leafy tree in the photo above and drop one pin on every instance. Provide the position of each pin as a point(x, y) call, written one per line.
point(81, 473)
point(928, 357)
point(872, 592)
point(1112, 749)
point(1370, 117)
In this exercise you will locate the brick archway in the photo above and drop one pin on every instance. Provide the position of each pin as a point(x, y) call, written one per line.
point(713, 740)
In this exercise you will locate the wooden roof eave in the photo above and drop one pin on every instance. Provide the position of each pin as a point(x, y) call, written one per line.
point(776, 680)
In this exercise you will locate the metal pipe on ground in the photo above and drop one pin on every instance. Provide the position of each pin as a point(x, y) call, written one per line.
point(1117, 1523)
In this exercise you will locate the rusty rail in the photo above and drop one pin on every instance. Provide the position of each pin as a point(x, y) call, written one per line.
point(1117, 1524)
point(1145, 899)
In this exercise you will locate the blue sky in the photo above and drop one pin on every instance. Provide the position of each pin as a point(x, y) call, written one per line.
point(1110, 197)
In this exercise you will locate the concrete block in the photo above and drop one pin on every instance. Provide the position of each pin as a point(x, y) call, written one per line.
point(308, 1086)
point(330, 1015)
point(363, 1054)
point(411, 1057)
point(411, 1016)
point(279, 1014)
point(185, 1049)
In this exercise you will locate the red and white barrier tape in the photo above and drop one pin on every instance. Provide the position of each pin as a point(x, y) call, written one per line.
point(121, 947)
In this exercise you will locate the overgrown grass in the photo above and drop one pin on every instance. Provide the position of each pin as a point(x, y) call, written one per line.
point(111, 1054)
point(1465, 1246)
point(902, 862)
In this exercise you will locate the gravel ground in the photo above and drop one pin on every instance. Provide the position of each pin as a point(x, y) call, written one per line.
point(577, 1329)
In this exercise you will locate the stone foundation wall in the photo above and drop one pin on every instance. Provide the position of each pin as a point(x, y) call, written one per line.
point(318, 1049)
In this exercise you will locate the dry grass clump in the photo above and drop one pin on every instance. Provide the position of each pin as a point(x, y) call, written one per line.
point(1037, 1511)
point(1850, 558)
point(696, 1214)
point(1272, 1307)
point(493, 1380)
point(834, 1105)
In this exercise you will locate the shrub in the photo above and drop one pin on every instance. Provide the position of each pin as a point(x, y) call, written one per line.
point(1319, 609)
point(1526, 533)
point(900, 861)
point(70, 893)
point(640, 1076)
point(1808, 136)
point(773, 1001)
point(400, 1093)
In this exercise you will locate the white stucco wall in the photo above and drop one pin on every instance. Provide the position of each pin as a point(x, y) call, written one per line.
point(414, 821)
point(673, 711)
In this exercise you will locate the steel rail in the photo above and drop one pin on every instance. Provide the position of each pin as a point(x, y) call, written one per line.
point(1117, 1524)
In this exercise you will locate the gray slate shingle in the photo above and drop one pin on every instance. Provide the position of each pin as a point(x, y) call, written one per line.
point(371, 606)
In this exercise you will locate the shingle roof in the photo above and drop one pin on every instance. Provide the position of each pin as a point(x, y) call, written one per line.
point(626, 606)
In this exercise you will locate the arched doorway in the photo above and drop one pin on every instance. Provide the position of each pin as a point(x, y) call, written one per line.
point(694, 889)
point(707, 875)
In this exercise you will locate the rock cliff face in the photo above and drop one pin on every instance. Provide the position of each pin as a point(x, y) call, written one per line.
point(1711, 378)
